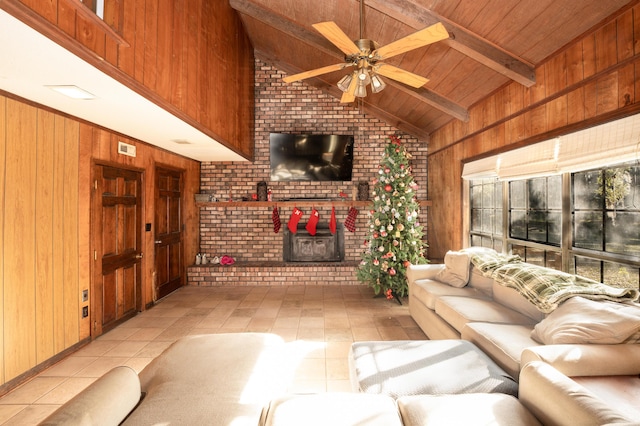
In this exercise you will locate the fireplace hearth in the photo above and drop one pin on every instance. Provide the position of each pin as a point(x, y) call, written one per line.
point(321, 247)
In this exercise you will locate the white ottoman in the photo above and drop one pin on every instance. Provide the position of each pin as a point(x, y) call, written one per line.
point(426, 367)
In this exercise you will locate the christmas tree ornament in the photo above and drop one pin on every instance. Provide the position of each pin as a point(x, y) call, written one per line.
point(275, 217)
point(295, 217)
point(312, 222)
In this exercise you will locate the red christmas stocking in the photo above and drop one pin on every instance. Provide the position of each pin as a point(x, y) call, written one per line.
point(312, 222)
point(333, 225)
point(350, 221)
point(275, 217)
point(296, 215)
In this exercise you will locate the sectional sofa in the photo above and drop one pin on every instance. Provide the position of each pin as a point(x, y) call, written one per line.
point(240, 379)
point(461, 299)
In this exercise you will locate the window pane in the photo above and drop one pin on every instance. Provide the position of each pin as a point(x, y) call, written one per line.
point(632, 200)
point(537, 227)
point(586, 194)
point(518, 250)
point(476, 220)
point(554, 260)
point(622, 233)
point(487, 196)
point(517, 195)
point(518, 224)
point(588, 230)
point(555, 228)
point(588, 268)
point(538, 194)
point(497, 222)
point(476, 196)
point(534, 256)
point(619, 275)
point(554, 193)
point(486, 221)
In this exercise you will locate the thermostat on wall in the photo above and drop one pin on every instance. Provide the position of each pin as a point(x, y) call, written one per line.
point(126, 149)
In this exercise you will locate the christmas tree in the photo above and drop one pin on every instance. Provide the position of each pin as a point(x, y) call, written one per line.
point(395, 234)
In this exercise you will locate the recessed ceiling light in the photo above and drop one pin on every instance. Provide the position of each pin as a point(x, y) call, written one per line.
point(73, 92)
point(181, 141)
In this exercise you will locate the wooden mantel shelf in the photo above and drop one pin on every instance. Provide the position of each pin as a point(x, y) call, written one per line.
point(300, 203)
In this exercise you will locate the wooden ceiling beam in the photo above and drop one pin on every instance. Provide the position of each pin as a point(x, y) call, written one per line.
point(291, 28)
point(462, 40)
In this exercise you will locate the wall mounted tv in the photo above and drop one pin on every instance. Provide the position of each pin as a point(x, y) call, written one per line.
point(311, 157)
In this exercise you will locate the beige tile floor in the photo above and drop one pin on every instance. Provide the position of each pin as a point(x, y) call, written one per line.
point(318, 322)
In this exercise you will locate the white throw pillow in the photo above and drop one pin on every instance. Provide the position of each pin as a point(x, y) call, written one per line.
point(456, 269)
point(580, 320)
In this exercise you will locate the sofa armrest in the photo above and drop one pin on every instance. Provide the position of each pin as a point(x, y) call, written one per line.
point(422, 272)
point(555, 399)
point(108, 400)
point(587, 359)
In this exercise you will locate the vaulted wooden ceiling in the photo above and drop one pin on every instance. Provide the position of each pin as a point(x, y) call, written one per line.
point(491, 42)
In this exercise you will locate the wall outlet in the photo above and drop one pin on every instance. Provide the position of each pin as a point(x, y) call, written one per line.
point(85, 295)
point(85, 311)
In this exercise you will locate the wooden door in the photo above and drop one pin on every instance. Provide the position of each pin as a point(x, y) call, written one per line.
point(168, 231)
point(117, 236)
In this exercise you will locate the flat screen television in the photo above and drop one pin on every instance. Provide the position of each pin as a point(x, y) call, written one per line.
point(311, 157)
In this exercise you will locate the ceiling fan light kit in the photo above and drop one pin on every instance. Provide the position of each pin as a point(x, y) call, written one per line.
point(368, 57)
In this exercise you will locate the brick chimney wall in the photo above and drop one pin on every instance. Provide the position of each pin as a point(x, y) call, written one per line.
point(247, 233)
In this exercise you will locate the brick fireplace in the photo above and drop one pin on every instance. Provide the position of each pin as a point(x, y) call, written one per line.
point(247, 233)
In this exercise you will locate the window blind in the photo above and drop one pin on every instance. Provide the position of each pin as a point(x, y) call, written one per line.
point(600, 146)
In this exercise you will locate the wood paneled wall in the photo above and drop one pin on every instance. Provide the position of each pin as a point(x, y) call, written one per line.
point(39, 234)
point(45, 257)
point(592, 81)
point(191, 57)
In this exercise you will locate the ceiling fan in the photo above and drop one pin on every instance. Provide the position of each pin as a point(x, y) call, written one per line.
point(368, 58)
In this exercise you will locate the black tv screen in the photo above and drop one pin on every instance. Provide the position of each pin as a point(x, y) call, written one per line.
point(311, 157)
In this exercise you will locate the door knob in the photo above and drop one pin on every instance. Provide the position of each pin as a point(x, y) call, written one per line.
point(139, 256)
point(158, 241)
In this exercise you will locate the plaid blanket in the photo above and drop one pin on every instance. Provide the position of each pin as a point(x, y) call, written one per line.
point(547, 288)
point(488, 262)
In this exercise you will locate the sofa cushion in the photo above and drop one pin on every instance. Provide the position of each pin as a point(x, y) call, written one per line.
point(333, 408)
point(504, 343)
point(108, 400)
point(428, 291)
point(467, 409)
point(212, 379)
point(456, 269)
point(511, 298)
point(458, 311)
point(580, 320)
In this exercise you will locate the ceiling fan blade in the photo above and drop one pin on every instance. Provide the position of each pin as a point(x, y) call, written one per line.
point(335, 35)
point(350, 95)
point(398, 74)
point(435, 32)
point(314, 73)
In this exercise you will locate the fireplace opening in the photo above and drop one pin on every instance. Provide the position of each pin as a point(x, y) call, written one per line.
point(322, 247)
